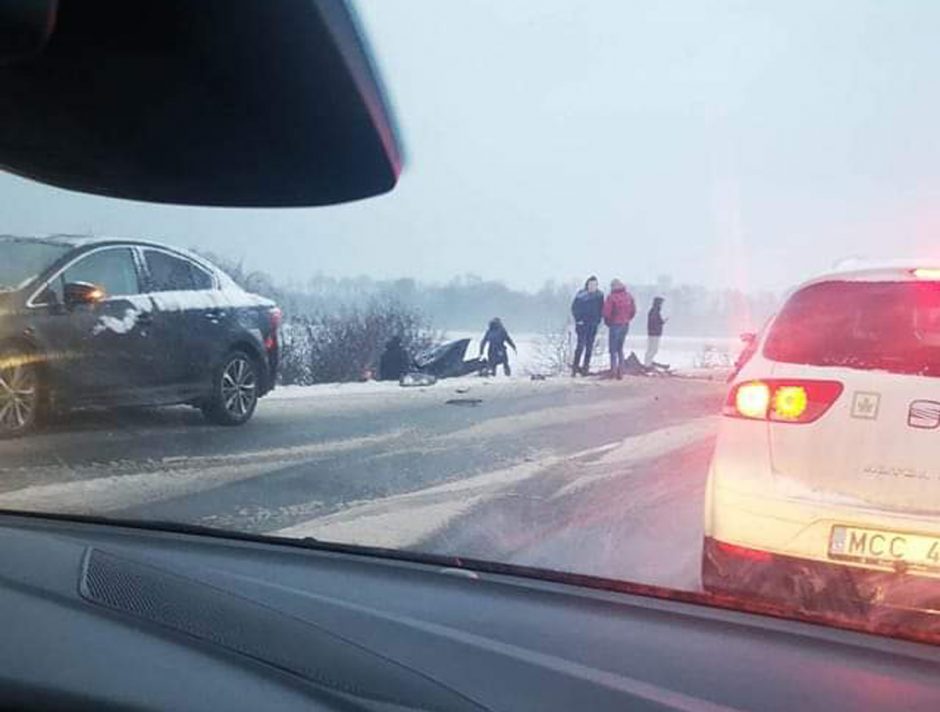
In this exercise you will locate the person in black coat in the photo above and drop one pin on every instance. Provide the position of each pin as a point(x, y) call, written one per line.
point(496, 337)
point(654, 330)
point(394, 361)
point(587, 309)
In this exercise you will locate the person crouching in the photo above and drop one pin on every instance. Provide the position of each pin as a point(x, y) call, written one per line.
point(496, 339)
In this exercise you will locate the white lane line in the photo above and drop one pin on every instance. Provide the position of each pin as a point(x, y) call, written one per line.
point(370, 520)
point(164, 480)
point(288, 454)
point(406, 519)
point(638, 448)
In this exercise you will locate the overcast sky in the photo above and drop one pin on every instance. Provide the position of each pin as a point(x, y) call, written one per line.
point(735, 143)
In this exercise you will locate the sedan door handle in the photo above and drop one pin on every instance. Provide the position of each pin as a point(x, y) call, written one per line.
point(214, 314)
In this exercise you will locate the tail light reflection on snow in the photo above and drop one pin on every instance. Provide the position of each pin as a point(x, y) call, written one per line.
point(742, 552)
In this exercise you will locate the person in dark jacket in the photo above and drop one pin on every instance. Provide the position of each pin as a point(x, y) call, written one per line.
point(394, 361)
point(654, 331)
point(496, 337)
point(587, 309)
point(619, 310)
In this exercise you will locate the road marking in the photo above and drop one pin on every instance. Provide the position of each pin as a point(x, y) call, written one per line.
point(404, 520)
point(165, 480)
point(638, 448)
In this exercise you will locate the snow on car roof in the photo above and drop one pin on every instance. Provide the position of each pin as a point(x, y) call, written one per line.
point(80, 241)
point(64, 240)
point(226, 283)
point(91, 240)
point(76, 241)
point(890, 270)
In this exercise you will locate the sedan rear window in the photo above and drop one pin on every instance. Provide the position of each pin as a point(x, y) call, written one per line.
point(171, 274)
point(891, 326)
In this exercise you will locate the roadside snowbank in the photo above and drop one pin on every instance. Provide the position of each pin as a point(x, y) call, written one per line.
point(690, 357)
point(456, 388)
point(465, 386)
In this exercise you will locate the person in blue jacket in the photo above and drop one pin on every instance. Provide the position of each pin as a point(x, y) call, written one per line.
point(587, 309)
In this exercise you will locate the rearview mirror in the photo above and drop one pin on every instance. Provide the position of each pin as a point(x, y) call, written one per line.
point(215, 102)
point(26, 26)
point(82, 293)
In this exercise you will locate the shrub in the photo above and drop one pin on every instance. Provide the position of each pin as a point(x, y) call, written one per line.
point(344, 345)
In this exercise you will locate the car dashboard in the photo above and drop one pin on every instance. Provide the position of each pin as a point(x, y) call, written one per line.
point(100, 616)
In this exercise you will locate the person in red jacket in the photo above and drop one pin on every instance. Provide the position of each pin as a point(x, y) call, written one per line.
point(619, 310)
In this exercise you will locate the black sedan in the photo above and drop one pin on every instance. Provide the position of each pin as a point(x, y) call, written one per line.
point(92, 322)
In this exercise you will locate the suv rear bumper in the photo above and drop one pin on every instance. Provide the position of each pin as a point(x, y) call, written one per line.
point(798, 526)
point(820, 587)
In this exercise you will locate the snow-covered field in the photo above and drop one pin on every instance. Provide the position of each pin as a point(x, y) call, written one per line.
point(708, 358)
point(683, 353)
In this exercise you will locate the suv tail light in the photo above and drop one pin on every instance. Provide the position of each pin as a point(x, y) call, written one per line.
point(276, 316)
point(782, 401)
point(931, 273)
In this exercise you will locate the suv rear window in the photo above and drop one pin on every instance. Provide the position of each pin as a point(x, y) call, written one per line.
point(891, 326)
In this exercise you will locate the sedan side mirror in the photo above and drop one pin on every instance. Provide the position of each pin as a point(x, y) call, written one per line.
point(82, 293)
point(749, 337)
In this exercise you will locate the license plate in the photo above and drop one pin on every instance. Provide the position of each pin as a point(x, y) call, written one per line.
point(879, 546)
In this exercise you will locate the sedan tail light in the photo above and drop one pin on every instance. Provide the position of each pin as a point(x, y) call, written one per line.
point(276, 316)
point(782, 401)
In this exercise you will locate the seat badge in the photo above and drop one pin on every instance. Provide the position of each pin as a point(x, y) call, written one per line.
point(924, 415)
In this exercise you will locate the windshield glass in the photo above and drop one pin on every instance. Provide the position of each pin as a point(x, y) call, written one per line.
point(584, 333)
point(23, 260)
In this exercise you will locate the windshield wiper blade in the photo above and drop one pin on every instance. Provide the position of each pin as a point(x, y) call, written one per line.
point(168, 526)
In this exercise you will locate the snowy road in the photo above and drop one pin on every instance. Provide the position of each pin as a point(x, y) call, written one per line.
point(603, 478)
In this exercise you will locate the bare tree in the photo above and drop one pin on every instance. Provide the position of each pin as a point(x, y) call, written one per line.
point(554, 351)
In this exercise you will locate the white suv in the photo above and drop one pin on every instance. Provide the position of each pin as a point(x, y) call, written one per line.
point(824, 489)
